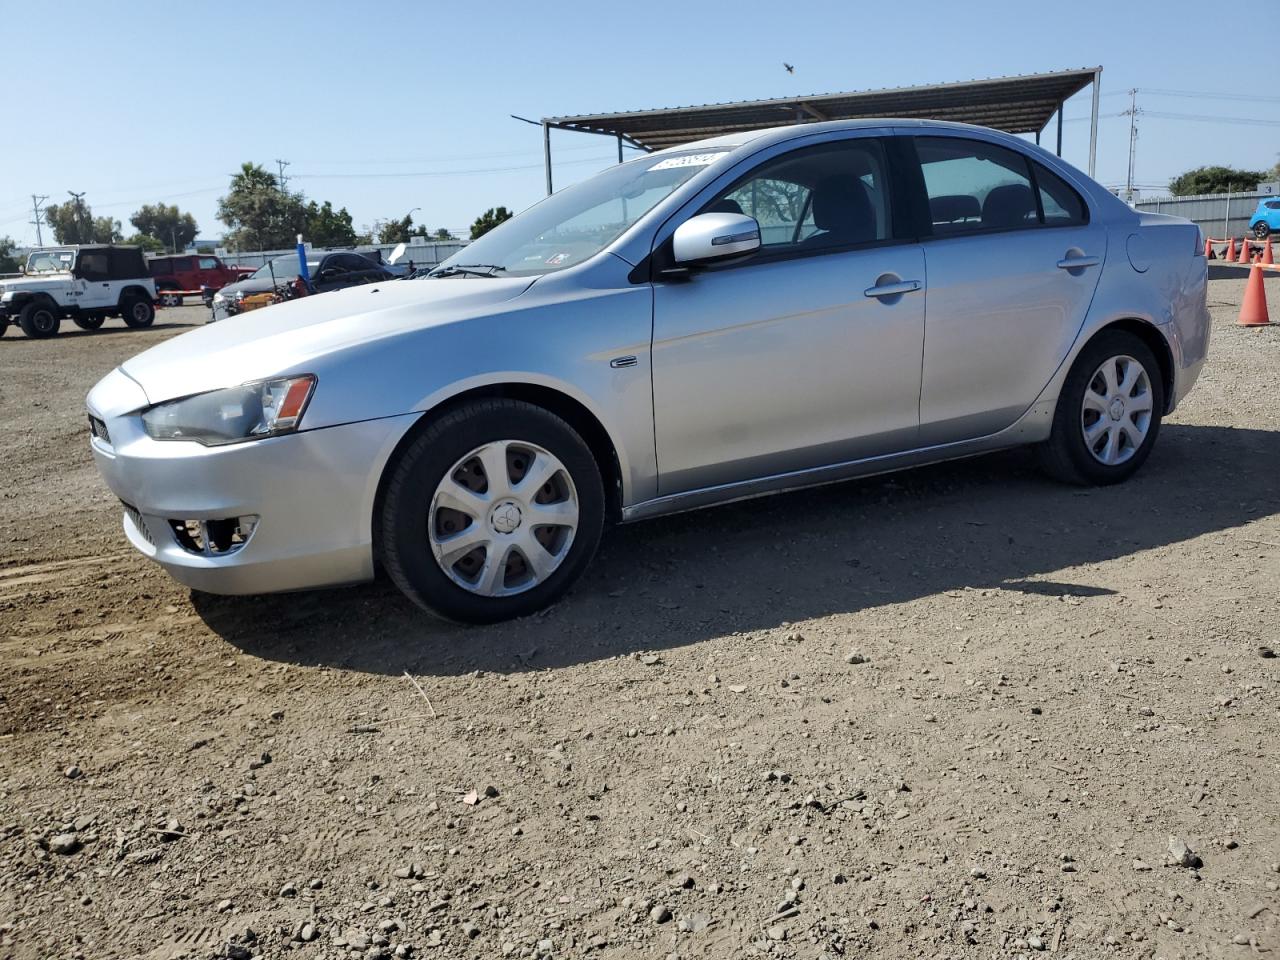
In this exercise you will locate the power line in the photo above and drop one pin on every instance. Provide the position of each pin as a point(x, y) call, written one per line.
point(441, 173)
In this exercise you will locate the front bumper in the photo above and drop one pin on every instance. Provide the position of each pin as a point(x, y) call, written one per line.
point(312, 492)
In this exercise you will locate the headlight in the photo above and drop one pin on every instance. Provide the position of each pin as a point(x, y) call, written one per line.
point(251, 411)
point(219, 298)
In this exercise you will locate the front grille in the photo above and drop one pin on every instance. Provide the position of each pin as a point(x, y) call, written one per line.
point(98, 429)
point(138, 522)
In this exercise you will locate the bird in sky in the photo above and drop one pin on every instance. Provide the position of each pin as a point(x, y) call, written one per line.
point(789, 67)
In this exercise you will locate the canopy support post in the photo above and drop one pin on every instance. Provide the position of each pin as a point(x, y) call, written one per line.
point(1059, 128)
point(546, 152)
point(1093, 124)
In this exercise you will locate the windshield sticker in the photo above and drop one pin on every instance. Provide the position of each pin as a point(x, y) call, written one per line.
point(691, 160)
point(558, 259)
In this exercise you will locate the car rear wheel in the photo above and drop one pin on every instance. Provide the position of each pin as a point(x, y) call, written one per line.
point(137, 310)
point(89, 323)
point(1261, 229)
point(1108, 414)
point(492, 512)
point(39, 321)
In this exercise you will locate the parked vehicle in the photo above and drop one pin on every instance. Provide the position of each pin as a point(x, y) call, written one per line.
point(1265, 219)
point(84, 283)
point(703, 324)
point(190, 271)
point(329, 271)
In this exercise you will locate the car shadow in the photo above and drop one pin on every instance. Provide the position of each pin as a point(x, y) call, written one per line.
point(71, 332)
point(988, 522)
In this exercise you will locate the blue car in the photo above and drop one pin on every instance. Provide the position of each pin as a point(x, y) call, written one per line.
point(1265, 219)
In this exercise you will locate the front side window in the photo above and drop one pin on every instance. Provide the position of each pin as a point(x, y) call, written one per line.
point(829, 196)
point(578, 222)
point(974, 185)
point(92, 265)
point(208, 263)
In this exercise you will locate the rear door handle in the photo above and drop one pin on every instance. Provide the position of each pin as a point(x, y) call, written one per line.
point(1075, 263)
point(892, 289)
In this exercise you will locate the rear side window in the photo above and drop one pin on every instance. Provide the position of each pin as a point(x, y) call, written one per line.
point(1060, 204)
point(126, 263)
point(1273, 204)
point(974, 185)
point(161, 268)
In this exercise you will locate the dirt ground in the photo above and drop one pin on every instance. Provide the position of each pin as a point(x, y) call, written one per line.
point(957, 712)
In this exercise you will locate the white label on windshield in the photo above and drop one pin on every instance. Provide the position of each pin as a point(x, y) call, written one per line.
point(690, 160)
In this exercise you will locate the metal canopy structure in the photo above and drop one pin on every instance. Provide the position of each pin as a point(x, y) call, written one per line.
point(1022, 104)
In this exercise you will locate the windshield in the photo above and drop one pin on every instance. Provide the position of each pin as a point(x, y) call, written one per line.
point(50, 261)
point(579, 221)
point(283, 268)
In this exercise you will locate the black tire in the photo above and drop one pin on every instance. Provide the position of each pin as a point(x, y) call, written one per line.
point(89, 323)
point(39, 321)
point(1065, 455)
point(1262, 230)
point(137, 310)
point(414, 476)
point(4, 325)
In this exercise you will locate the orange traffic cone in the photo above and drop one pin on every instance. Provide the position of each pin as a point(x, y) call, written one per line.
point(1230, 256)
point(1208, 251)
point(1266, 252)
point(1253, 310)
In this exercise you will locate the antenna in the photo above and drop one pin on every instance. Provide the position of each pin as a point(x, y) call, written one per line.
point(38, 215)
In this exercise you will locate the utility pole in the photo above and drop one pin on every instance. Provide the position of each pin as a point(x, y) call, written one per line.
point(1132, 113)
point(38, 215)
point(280, 165)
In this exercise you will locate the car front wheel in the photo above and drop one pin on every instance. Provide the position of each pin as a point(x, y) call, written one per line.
point(492, 512)
point(39, 321)
point(1108, 414)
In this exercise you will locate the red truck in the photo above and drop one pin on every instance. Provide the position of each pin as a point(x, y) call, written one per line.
point(191, 272)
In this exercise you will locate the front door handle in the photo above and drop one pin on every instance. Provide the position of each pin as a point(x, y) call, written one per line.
point(1076, 263)
point(892, 289)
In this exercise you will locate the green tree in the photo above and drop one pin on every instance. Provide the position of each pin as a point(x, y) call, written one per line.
point(443, 234)
point(9, 261)
point(167, 224)
point(72, 222)
point(106, 230)
point(396, 231)
point(148, 243)
point(1215, 180)
point(326, 227)
point(488, 220)
point(260, 213)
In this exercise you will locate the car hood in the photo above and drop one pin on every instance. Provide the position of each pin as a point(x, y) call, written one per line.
point(286, 337)
point(35, 281)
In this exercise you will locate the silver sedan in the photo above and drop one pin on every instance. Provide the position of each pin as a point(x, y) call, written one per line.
point(738, 316)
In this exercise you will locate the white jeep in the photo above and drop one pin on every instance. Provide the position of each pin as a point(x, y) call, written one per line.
point(85, 283)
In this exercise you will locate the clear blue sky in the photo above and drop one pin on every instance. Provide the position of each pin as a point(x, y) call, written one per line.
point(389, 106)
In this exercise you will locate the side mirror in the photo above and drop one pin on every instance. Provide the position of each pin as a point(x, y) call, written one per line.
point(710, 237)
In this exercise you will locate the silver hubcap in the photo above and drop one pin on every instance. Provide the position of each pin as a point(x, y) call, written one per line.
point(1116, 413)
point(503, 518)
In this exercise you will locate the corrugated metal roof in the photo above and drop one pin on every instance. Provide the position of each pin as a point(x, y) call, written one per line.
point(1022, 104)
